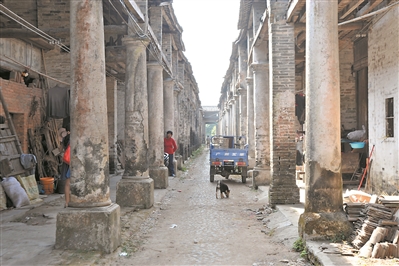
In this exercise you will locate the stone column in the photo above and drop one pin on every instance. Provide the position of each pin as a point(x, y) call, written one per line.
point(242, 90)
point(176, 132)
point(323, 214)
point(261, 173)
point(243, 113)
point(237, 118)
point(283, 188)
point(92, 213)
point(168, 105)
point(136, 188)
point(158, 171)
point(112, 123)
point(250, 123)
point(121, 112)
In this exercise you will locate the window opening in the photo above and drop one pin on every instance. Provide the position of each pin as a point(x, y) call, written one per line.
point(389, 117)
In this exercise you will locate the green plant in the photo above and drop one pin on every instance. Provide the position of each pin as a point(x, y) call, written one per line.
point(304, 254)
point(299, 245)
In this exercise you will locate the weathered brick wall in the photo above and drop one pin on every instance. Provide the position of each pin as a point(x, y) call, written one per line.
point(25, 9)
point(383, 59)
point(348, 86)
point(283, 189)
point(53, 13)
point(167, 48)
point(58, 66)
point(24, 105)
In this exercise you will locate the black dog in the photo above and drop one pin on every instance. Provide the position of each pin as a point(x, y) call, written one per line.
point(223, 188)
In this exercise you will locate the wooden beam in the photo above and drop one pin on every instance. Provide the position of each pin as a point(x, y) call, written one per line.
point(134, 8)
point(342, 4)
point(40, 43)
point(349, 9)
point(295, 6)
point(56, 32)
point(368, 7)
point(301, 38)
point(299, 27)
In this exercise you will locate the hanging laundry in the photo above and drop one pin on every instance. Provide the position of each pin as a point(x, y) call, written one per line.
point(300, 106)
point(58, 102)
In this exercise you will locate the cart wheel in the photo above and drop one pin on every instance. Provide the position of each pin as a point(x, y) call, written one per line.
point(212, 174)
point(244, 175)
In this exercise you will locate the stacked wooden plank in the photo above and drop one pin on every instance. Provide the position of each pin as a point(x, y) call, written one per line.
point(45, 145)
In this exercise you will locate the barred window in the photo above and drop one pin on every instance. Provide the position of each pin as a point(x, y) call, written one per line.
point(389, 117)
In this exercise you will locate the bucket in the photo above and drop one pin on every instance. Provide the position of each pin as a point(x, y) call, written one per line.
point(48, 185)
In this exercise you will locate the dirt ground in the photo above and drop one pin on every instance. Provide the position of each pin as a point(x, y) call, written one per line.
point(191, 227)
point(188, 227)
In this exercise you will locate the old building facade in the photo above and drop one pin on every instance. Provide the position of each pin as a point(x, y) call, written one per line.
point(312, 71)
point(129, 82)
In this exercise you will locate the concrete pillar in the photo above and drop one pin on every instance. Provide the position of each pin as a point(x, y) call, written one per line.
point(323, 214)
point(121, 113)
point(136, 188)
point(283, 188)
point(112, 123)
point(158, 171)
point(168, 105)
point(261, 173)
point(250, 123)
point(237, 118)
point(242, 90)
point(243, 113)
point(176, 126)
point(93, 222)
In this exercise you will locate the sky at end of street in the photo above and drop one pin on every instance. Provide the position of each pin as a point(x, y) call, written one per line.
point(209, 31)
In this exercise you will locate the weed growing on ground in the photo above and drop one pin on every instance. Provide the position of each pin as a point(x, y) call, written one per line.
point(299, 246)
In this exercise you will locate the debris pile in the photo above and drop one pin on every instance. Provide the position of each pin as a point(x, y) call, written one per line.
point(376, 225)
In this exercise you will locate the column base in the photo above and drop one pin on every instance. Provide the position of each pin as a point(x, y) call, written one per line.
point(75, 230)
point(135, 192)
point(260, 177)
point(313, 226)
point(160, 177)
point(179, 162)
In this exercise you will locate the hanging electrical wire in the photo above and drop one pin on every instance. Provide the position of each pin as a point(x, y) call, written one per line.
point(32, 28)
point(155, 52)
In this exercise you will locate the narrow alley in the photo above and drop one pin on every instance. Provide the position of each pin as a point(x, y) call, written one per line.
point(186, 226)
point(195, 228)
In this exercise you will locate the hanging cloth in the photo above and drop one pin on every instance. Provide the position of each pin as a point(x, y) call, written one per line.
point(58, 102)
point(300, 104)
